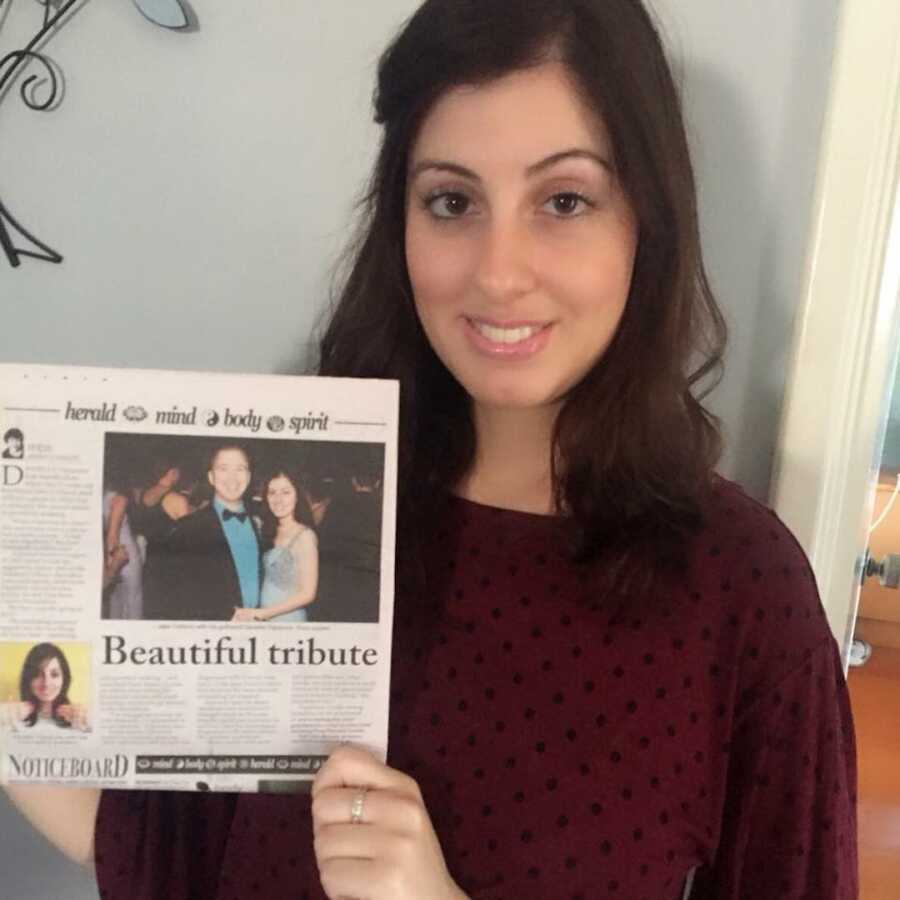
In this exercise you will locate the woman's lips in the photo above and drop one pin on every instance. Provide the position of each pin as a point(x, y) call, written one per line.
point(510, 340)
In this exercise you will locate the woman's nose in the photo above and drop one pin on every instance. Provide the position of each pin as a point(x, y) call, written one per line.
point(506, 262)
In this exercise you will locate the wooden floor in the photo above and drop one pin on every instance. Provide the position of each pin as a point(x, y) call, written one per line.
point(875, 697)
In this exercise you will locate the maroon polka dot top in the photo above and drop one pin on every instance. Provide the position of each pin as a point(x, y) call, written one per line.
point(567, 748)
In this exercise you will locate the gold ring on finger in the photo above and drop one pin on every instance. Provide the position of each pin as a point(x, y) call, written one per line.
point(356, 807)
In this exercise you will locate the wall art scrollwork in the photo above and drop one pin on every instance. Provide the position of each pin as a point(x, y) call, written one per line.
point(42, 91)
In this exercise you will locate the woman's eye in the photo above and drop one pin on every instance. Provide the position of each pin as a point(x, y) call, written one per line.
point(448, 205)
point(568, 204)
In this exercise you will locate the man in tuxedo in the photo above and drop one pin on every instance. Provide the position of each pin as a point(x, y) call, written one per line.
point(211, 564)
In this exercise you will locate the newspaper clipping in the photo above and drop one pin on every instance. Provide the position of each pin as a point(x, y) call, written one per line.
point(196, 576)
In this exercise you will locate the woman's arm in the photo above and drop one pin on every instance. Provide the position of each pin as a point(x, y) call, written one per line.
point(158, 491)
point(789, 818)
point(65, 816)
point(155, 494)
point(306, 572)
point(117, 508)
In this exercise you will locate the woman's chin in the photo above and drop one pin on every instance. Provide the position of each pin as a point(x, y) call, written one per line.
point(516, 398)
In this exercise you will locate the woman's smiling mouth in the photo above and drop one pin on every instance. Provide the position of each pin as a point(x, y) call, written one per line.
point(515, 340)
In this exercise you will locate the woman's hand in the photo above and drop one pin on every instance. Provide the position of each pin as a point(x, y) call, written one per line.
point(242, 614)
point(76, 714)
point(169, 478)
point(115, 550)
point(392, 852)
point(115, 561)
point(13, 713)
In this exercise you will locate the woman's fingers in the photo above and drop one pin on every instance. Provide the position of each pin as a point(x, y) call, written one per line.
point(341, 876)
point(391, 851)
point(75, 714)
point(350, 766)
point(392, 810)
point(333, 806)
point(345, 841)
point(14, 712)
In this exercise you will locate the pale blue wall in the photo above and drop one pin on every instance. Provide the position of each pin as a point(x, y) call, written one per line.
point(200, 186)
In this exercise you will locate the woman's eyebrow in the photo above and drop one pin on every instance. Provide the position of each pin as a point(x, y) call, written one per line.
point(441, 165)
point(572, 153)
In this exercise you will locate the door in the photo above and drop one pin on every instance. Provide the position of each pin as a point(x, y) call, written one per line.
point(846, 333)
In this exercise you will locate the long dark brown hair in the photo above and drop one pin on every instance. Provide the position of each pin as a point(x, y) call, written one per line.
point(38, 656)
point(302, 511)
point(633, 448)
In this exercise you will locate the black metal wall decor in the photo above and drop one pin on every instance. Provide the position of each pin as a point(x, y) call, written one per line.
point(42, 93)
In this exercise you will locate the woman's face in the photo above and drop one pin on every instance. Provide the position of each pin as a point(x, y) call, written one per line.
point(519, 240)
point(281, 496)
point(47, 685)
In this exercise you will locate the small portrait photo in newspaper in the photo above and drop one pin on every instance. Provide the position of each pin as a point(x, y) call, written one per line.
point(13, 444)
point(45, 688)
point(253, 530)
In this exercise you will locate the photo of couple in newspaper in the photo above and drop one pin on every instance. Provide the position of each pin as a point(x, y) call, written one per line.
point(193, 595)
point(205, 529)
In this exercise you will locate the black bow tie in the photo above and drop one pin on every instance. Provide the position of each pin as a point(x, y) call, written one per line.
point(228, 514)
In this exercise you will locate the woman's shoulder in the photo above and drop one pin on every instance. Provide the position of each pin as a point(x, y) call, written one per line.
point(737, 527)
point(754, 586)
point(731, 512)
point(303, 536)
point(750, 549)
point(175, 505)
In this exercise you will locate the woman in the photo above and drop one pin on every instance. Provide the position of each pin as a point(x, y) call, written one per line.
point(44, 693)
point(164, 502)
point(122, 559)
point(13, 444)
point(611, 668)
point(291, 562)
point(156, 511)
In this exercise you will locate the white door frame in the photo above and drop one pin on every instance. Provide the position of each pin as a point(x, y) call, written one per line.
point(846, 326)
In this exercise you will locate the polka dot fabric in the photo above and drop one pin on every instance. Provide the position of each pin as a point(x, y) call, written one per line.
point(569, 748)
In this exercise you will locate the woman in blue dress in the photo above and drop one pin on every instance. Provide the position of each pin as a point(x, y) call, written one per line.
point(291, 564)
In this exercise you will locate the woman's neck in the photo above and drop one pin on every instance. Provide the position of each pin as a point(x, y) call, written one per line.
point(286, 525)
point(512, 459)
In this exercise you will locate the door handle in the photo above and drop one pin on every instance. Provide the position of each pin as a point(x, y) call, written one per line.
point(887, 569)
